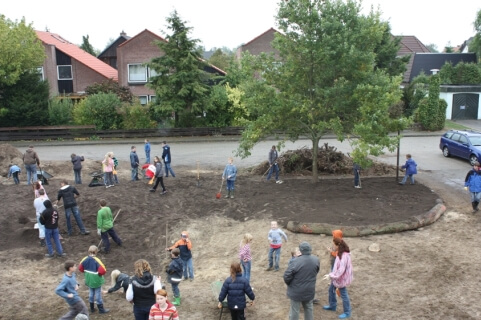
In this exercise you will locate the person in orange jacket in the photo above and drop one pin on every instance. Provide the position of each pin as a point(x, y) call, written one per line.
point(185, 247)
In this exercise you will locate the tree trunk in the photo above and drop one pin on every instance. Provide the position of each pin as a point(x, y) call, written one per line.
point(315, 149)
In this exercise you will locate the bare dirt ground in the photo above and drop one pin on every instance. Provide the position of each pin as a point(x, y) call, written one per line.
point(432, 273)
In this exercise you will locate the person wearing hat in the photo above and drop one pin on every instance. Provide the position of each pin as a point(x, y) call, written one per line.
point(300, 278)
point(472, 182)
point(185, 246)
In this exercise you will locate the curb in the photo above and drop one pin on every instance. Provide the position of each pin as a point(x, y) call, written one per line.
point(415, 222)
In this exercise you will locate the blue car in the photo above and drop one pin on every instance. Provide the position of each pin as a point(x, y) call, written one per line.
point(462, 144)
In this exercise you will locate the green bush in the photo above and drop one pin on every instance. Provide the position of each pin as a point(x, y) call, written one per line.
point(100, 110)
point(462, 73)
point(60, 111)
point(136, 117)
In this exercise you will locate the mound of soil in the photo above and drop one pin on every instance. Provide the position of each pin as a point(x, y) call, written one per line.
point(9, 155)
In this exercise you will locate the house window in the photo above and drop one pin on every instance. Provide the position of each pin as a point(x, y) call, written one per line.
point(64, 72)
point(137, 73)
point(152, 99)
point(143, 100)
point(40, 73)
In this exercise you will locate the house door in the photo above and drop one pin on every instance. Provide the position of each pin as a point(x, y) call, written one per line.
point(465, 106)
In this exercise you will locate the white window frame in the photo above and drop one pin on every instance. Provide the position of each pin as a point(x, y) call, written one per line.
point(64, 66)
point(40, 72)
point(152, 98)
point(146, 99)
point(136, 80)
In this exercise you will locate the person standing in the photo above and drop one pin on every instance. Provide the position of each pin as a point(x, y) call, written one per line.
point(174, 274)
point(273, 166)
point(235, 288)
point(245, 255)
point(108, 166)
point(105, 226)
point(68, 194)
point(39, 208)
point(30, 161)
point(49, 218)
point(275, 236)
point(356, 170)
point(94, 270)
point(67, 289)
point(134, 163)
point(341, 276)
point(163, 309)
point(13, 171)
point(230, 174)
point(300, 278)
point(114, 172)
point(77, 167)
point(159, 174)
point(411, 169)
point(147, 151)
point(167, 159)
point(472, 182)
point(185, 246)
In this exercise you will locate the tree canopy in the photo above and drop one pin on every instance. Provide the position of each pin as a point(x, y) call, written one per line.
point(475, 45)
point(328, 79)
point(86, 46)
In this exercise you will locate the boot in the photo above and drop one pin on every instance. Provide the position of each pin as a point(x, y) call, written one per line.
point(476, 203)
point(176, 301)
point(228, 194)
point(102, 310)
point(92, 307)
point(232, 194)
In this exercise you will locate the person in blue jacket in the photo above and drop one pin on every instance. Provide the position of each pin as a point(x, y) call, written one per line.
point(230, 173)
point(147, 151)
point(473, 183)
point(167, 159)
point(14, 170)
point(134, 163)
point(235, 288)
point(411, 169)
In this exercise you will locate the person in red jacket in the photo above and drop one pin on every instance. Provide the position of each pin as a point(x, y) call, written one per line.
point(163, 309)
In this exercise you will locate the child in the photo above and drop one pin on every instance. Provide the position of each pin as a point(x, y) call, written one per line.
point(230, 172)
point(14, 170)
point(295, 252)
point(411, 170)
point(472, 182)
point(333, 250)
point(49, 218)
point(119, 280)
point(275, 242)
point(356, 169)
point(245, 255)
point(36, 187)
point(114, 172)
point(94, 271)
point(67, 289)
point(147, 151)
point(108, 166)
point(77, 167)
point(174, 274)
point(159, 174)
point(163, 309)
point(105, 226)
point(185, 247)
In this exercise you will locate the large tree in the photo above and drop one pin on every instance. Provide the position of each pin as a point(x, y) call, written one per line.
point(180, 82)
point(475, 45)
point(326, 80)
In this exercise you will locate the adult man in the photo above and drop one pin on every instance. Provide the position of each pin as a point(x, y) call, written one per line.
point(68, 194)
point(31, 160)
point(273, 166)
point(134, 163)
point(167, 159)
point(39, 208)
point(300, 278)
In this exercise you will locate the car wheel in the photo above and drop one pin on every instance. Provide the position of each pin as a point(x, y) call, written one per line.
point(446, 152)
point(473, 159)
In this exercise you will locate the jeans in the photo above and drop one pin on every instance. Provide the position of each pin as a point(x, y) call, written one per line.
point(116, 179)
point(475, 196)
point(53, 234)
point(75, 309)
point(411, 176)
point(237, 314)
point(275, 168)
point(296, 308)
point(188, 268)
point(277, 253)
point(78, 219)
point(109, 178)
point(147, 156)
point(169, 169)
point(105, 238)
point(346, 304)
point(230, 185)
point(41, 228)
point(95, 293)
point(15, 177)
point(246, 266)
point(175, 289)
point(134, 174)
point(356, 178)
point(141, 313)
point(77, 176)
point(31, 173)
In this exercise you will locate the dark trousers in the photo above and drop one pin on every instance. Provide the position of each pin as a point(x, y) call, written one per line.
point(237, 314)
point(105, 238)
point(161, 181)
point(15, 177)
point(141, 313)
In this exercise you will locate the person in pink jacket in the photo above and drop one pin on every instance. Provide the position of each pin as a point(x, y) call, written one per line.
point(108, 166)
point(341, 277)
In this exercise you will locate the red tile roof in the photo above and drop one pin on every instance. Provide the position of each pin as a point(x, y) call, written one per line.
point(269, 30)
point(78, 54)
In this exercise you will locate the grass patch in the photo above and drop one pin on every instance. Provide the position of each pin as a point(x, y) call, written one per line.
point(451, 125)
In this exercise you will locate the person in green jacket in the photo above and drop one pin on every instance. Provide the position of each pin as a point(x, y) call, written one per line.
point(105, 226)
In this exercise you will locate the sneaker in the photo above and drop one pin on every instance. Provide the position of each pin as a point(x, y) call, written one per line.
point(86, 232)
point(152, 190)
point(357, 187)
point(112, 185)
point(329, 308)
point(279, 181)
point(48, 255)
point(269, 269)
point(275, 270)
point(62, 255)
point(191, 279)
point(164, 192)
point(106, 187)
point(42, 242)
point(344, 316)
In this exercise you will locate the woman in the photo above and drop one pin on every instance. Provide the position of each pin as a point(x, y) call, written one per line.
point(245, 256)
point(142, 289)
point(341, 277)
point(236, 287)
point(159, 174)
point(36, 187)
point(108, 166)
point(163, 309)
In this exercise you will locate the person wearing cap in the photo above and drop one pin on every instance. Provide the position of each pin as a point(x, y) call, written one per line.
point(30, 161)
point(185, 247)
point(300, 278)
point(472, 182)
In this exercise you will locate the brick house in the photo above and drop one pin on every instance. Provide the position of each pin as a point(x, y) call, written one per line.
point(109, 55)
point(261, 43)
point(69, 69)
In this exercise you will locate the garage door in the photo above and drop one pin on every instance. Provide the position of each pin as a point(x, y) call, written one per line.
point(465, 106)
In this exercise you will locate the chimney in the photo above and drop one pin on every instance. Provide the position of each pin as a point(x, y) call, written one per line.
point(123, 34)
point(434, 71)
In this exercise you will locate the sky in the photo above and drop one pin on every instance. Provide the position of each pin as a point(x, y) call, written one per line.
point(228, 23)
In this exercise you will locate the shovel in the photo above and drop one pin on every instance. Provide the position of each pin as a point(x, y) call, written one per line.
point(218, 195)
point(198, 175)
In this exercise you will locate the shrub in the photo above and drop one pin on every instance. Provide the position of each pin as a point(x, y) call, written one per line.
point(136, 117)
point(60, 111)
point(100, 110)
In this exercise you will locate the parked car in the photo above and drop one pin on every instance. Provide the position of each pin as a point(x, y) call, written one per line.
point(463, 144)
